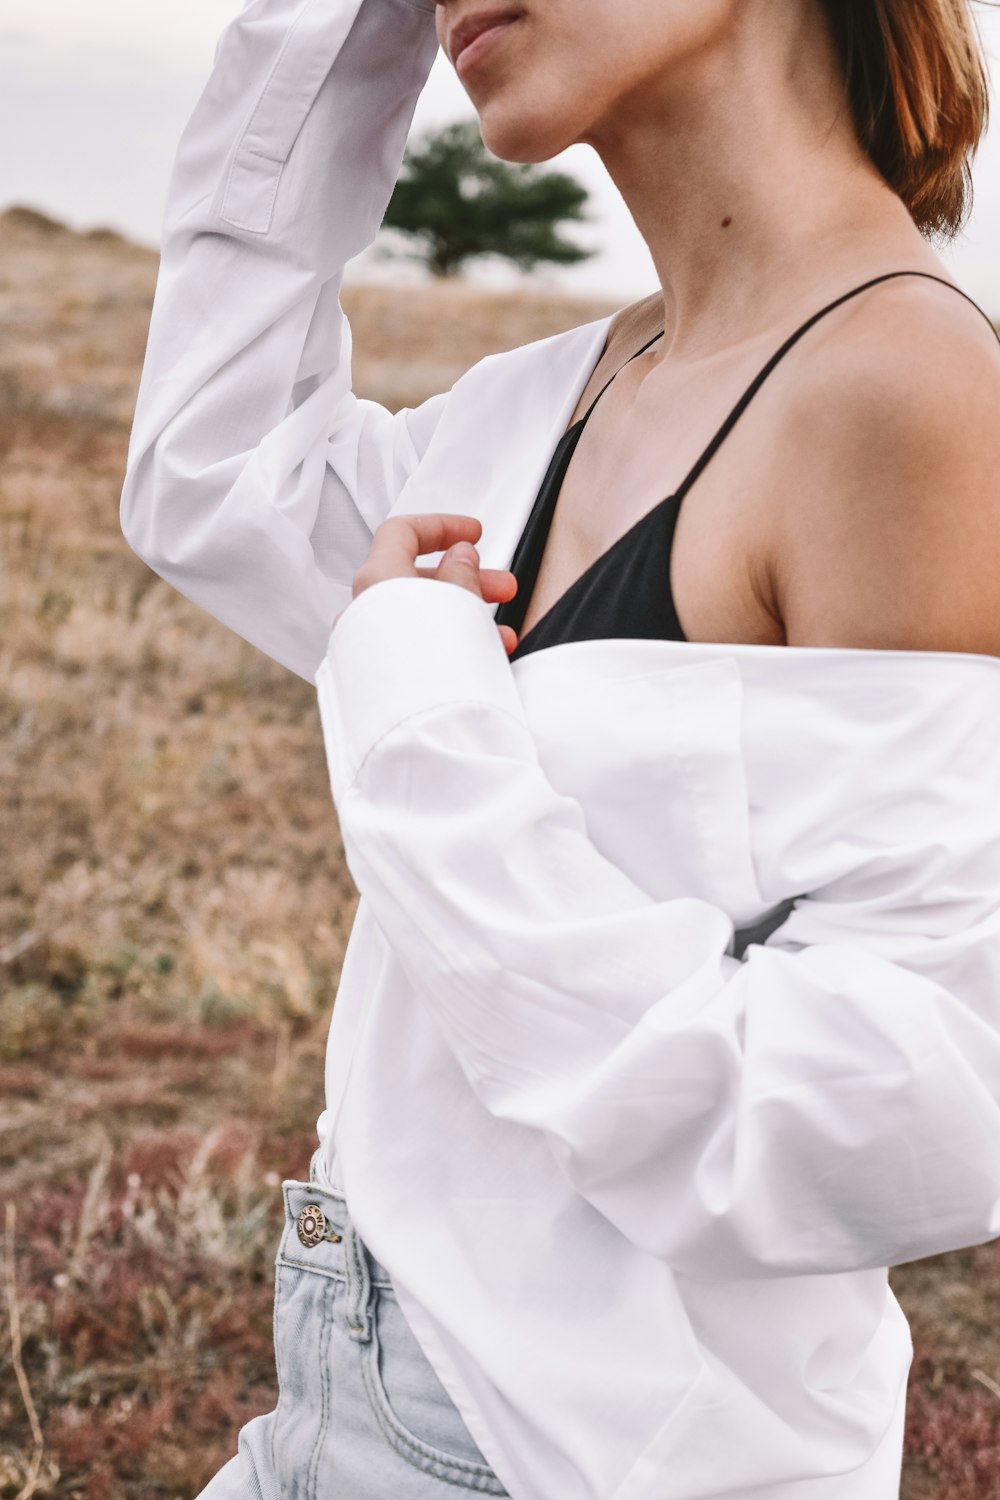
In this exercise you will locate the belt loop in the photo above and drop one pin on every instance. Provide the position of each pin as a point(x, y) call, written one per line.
point(359, 1315)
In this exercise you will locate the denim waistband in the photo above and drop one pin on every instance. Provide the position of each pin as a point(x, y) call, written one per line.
point(320, 1236)
point(330, 1289)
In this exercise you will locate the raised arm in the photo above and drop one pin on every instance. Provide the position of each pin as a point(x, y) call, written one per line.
point(255, 477)
point(829, 1104)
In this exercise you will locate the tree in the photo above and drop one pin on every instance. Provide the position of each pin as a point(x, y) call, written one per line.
point(458, 200)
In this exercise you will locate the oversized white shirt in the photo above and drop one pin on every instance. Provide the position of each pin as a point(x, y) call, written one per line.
point(637, 1180)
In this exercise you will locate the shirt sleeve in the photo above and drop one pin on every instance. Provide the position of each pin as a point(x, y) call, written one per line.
point(255, 477)
point(818, 1108)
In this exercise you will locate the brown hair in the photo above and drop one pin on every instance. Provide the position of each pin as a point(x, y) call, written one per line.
point(919, 92)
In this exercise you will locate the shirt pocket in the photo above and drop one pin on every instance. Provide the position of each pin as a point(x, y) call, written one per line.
point(656, 760)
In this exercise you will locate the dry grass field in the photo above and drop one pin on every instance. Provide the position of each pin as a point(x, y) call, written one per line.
point(174, 907)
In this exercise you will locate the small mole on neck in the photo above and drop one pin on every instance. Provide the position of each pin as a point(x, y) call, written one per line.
point(727, 221)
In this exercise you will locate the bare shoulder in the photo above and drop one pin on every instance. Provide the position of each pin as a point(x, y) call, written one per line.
point(888, 522)
point(908, 343)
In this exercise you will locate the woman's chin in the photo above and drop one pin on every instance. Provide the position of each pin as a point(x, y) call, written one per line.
point(515, 136)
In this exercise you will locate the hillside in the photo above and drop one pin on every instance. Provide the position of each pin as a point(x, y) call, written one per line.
point(173, 912)
point(74, 310)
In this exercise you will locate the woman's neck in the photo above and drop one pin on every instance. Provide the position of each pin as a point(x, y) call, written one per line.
point(748, 184)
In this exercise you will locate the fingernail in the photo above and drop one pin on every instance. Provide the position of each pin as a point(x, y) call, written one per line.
point(464, 552)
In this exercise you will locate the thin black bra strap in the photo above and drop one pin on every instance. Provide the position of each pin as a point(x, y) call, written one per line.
point(747, 397)
point(590, 408)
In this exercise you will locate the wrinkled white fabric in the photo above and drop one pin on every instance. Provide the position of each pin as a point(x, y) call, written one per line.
point(637, 1193)
point(699, 1164)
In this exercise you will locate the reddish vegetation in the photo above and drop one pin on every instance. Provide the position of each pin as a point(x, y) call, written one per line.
point(173, 912)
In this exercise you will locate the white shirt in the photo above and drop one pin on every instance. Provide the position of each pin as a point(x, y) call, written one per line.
point(637, 1195)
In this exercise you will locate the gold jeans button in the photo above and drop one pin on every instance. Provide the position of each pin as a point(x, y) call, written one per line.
point(311, 1224)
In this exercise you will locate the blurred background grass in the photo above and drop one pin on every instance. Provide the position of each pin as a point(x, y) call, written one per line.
point(174, 908)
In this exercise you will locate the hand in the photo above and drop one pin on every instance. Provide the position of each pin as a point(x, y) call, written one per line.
point(400, 540)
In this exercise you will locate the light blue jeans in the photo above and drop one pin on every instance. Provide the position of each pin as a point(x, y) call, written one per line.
point(361, 1414)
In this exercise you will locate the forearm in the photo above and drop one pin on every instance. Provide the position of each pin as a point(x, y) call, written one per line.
point(246, 428)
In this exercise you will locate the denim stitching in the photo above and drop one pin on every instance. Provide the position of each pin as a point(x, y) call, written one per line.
point(359, 1310)
point(463, 1472)
point(277, 1364)
point(312, 1473)
point(330, 1274)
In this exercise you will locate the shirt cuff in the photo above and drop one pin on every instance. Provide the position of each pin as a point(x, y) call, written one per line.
point(401, 647)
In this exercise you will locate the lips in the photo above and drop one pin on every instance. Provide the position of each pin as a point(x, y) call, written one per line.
point(469, 27)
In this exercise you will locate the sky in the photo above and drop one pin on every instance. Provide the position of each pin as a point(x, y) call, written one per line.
point(94, 96)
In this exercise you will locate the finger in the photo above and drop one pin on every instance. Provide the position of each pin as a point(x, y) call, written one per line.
point(497, 584)
point(460, 565)
point(399, 540)
point(509, 638)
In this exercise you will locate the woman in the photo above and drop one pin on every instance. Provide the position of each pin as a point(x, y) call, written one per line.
point(670, 1012)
